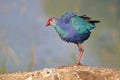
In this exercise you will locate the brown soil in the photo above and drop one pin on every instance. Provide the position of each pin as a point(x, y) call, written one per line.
point(72, 72)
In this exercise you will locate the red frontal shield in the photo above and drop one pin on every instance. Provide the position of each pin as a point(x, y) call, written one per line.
point(48, 22)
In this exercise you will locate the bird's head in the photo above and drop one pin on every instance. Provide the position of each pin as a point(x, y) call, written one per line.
point(51, 22)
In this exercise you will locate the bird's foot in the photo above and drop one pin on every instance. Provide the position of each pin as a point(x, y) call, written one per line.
point(79, 64)
point(76, 64)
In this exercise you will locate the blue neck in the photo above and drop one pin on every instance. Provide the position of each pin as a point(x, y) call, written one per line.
point(60, 31)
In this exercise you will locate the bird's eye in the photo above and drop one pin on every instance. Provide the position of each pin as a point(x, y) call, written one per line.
point(53, 20)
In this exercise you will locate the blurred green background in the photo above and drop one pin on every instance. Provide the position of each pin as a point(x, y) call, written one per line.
point(26, 44)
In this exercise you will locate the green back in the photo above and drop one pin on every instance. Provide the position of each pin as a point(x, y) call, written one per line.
point(80, 25)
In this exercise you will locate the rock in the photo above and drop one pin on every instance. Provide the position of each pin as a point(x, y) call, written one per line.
point(72, 72)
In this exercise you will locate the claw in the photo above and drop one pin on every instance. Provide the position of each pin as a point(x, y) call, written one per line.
point(79, 64)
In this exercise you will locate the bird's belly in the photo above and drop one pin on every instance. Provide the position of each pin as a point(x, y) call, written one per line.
point(76, 38)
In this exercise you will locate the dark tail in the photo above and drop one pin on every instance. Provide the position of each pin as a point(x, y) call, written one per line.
point(94, 21)
point(87, 18)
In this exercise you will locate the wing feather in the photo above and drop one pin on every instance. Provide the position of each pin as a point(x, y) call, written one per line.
point(82, 24)
point(87, 18)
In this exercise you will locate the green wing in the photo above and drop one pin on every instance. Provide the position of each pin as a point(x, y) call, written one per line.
point(81, 25)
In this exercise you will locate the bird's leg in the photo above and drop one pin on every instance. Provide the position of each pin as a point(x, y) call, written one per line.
point(81, 50)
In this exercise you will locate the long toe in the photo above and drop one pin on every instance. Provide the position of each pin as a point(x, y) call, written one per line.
point(80, 64)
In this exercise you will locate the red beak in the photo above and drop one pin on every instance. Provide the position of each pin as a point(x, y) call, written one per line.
point(48, 22)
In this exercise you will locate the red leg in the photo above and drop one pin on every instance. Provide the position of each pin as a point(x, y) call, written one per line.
point(81, 50)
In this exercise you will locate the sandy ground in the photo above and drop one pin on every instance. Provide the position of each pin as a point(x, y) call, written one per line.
point(71, 72)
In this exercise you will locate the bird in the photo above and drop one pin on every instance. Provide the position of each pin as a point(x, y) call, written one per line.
point(73, 28)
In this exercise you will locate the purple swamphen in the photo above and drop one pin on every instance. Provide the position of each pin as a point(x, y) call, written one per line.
point(73, 28)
